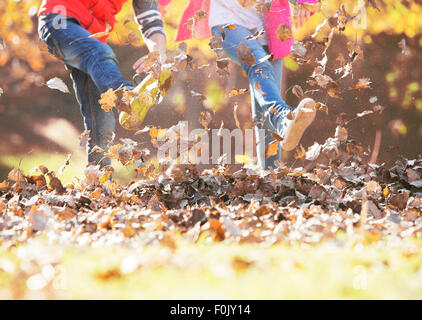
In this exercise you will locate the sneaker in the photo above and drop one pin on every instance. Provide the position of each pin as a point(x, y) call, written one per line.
point(293, 130)
point(148, 93)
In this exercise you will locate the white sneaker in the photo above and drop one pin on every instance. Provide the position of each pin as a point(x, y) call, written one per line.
point(303, 116)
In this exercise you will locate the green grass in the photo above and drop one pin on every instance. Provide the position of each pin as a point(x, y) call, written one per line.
point(221, 271)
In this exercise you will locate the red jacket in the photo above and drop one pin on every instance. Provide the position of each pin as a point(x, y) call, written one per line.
point(92, 14)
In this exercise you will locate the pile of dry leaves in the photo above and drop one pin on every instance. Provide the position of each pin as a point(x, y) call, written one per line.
point(333, 191)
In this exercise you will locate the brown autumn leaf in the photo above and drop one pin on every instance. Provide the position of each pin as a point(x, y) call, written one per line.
point(333, 89)
point(4, 186)
point(263, 7)
point(157, 133)
point(133, 38)
point(215, 226)
point(128, 232)
point(247, 3)
point(341, 133)
point(16, 175)
point(223, 66)
point(236, 92)
point(216, 45)
point(113, 151)
point(152, 58)
point(300, 152)
point(298, 91)
point(363, 83)
point(108, 100)
point(96, 194)
point(373, 187)
point(271, 149)
point(97, 149)
point(245, 54)
point(200, 15)
point(284, 32)
point(276, 136)
point(235, 115)
point(205, 119)
point(355, 50)
point(83, 138)
point(55, 183)
point(321, 107)
point(240, 264)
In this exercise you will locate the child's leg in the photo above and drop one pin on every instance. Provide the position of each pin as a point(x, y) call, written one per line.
point(89, 55)
point(268, 107)
point(261, 72)
point(262, 134)
point(94, 71)
point(100, 123)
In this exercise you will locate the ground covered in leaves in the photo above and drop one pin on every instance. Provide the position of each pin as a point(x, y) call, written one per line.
point(328, 225)
point(334, 199)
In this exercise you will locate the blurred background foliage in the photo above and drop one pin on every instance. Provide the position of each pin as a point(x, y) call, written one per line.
point(40, 124)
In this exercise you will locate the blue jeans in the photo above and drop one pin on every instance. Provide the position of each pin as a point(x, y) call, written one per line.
point(94, 69)
point(268, 75)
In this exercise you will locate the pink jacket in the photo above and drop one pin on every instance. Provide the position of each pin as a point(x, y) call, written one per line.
point(279, 14)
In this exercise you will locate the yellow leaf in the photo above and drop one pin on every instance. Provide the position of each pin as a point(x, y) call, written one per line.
point(272, 149)
point(108, 100)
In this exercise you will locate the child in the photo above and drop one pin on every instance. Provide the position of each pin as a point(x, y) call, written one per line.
point(269, 110)
point(66, 26)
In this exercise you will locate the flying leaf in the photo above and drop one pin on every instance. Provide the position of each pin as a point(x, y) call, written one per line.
point(235, 92)
point(83, 138)
point(247, 3)
point(205, 119)
point(57, 84)
point(363, 83)
point(60, 171)
point(108, 100)
point(284, 32)
point(297, 91)
point(235, 115)
point(271, 149)
point(103, 33)
point(200, 15)
point(245, 54)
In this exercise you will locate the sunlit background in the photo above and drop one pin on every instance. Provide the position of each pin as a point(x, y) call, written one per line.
point(39, 125)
